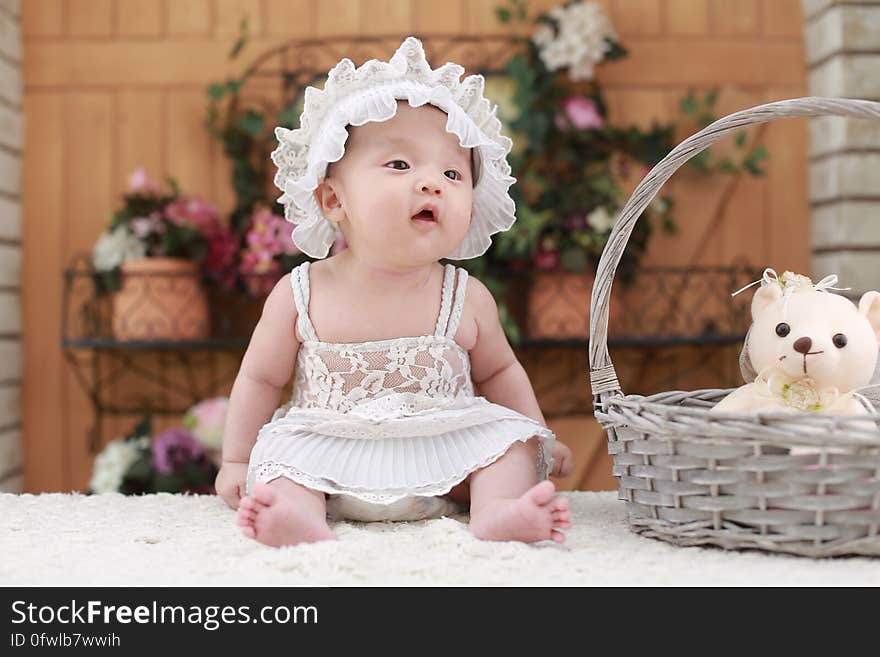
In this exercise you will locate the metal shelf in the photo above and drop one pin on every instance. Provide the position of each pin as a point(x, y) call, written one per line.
point(165, 377)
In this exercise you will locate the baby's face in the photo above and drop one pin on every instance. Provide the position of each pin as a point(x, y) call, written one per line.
point(404, 188)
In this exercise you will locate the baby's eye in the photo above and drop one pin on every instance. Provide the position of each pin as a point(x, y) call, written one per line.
point(782, 329)
point(399, 165)
point(452, 174)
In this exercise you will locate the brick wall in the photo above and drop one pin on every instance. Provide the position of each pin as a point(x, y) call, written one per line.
point(114, 84)
point(843, 54)
point(11, 120)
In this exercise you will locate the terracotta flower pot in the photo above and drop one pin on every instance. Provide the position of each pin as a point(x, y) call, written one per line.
point(559, 306)
point(160, 299)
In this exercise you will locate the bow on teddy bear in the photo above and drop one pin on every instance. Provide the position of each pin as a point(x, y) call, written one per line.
point(808, 349)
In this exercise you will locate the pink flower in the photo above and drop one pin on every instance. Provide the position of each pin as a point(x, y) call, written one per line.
point(259, 270)
point(220, 261)
point(271, 232)
point(143, 227)
point(285, 237)
point(174, 448)
point(139, 182)
point(206, 421)
point(580, 112)
point(546, 257)
point(195, 213)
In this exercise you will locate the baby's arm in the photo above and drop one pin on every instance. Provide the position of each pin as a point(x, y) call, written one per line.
point(265, 369)
point(495, 369)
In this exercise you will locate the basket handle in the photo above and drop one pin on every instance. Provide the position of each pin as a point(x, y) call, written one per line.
point(603, 378)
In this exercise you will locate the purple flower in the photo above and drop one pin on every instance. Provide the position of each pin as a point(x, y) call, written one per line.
point(580, 112)
point(576, 222)
point(174, 448)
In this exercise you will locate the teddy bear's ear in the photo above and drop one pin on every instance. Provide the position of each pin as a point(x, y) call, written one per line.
point(765, 295)
point(869, 306)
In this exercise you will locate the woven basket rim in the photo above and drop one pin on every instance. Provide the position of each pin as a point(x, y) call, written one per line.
point(662, 415)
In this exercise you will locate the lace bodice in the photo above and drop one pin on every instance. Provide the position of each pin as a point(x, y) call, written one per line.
point(341, 376)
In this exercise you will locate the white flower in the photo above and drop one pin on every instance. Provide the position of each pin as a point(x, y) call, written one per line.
point(113, 462)
point(543, 35)
point(581, 41)
point(659, 205)
point(112, 249)
point(600, 221)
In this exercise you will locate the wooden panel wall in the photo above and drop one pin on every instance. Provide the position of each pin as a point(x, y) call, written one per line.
point(113, 84)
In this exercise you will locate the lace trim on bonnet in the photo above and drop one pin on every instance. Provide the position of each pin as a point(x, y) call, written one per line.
point(355, 96)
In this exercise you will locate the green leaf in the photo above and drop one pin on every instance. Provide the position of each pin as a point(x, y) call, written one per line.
point(288, 116)
point(234, 85)
point(503, 14)
point(710, 97)
point(215, 91)
point(574, 260)
point(142, 428)
point(740, 140)
point(700, 161)
point(760, 152)
point(727, 166)
point(242, 39)
point(688, 104)
point(251, 123)
point(140, 470)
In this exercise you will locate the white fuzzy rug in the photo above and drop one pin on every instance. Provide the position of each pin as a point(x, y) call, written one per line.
point(176, 540)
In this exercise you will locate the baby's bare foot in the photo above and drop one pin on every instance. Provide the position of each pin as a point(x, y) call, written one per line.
point(276, 519)
point(536, 516)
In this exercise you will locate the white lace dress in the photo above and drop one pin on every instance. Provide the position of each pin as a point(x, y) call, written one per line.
point(386, 428)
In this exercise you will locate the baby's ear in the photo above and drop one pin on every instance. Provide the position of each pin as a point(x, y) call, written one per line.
point(765, 295)
point(869, 306)
point(328, 200)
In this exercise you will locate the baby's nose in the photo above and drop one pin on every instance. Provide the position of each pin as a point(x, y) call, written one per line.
point(802, 345)
point(431, 188)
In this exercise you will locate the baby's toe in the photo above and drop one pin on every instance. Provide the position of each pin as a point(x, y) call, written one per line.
point(264, 494)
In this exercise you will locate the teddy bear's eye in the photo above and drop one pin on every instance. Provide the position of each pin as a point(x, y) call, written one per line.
point(782, 329)
point(839, 340)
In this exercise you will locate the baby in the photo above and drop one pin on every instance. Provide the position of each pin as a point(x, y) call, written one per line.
point(409, 164)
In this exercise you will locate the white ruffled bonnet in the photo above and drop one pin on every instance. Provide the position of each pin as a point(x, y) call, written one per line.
point(355, 96)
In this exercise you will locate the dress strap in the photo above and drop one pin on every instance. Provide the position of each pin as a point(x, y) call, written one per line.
point(299, 281)
point(445, 300)
point(460, 289)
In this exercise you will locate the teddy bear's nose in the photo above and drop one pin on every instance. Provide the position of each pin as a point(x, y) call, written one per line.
point(802, 345)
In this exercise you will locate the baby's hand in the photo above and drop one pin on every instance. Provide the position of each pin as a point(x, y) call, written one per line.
point(563, 460)
point(231, 482)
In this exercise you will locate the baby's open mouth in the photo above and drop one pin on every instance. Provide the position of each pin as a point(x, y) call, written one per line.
point(425, 215)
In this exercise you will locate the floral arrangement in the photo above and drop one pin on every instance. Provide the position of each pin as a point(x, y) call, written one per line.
point(153, 223)
point(574, 168)
point(179, 460)
point(572, 163)
point(268, 251)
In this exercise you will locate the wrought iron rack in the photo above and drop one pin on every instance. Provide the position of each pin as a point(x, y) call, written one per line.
point(675, 308)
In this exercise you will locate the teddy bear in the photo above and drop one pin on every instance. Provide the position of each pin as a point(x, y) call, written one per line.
point(808, 348)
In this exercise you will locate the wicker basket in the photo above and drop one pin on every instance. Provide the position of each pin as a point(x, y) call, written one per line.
point(694, 478)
